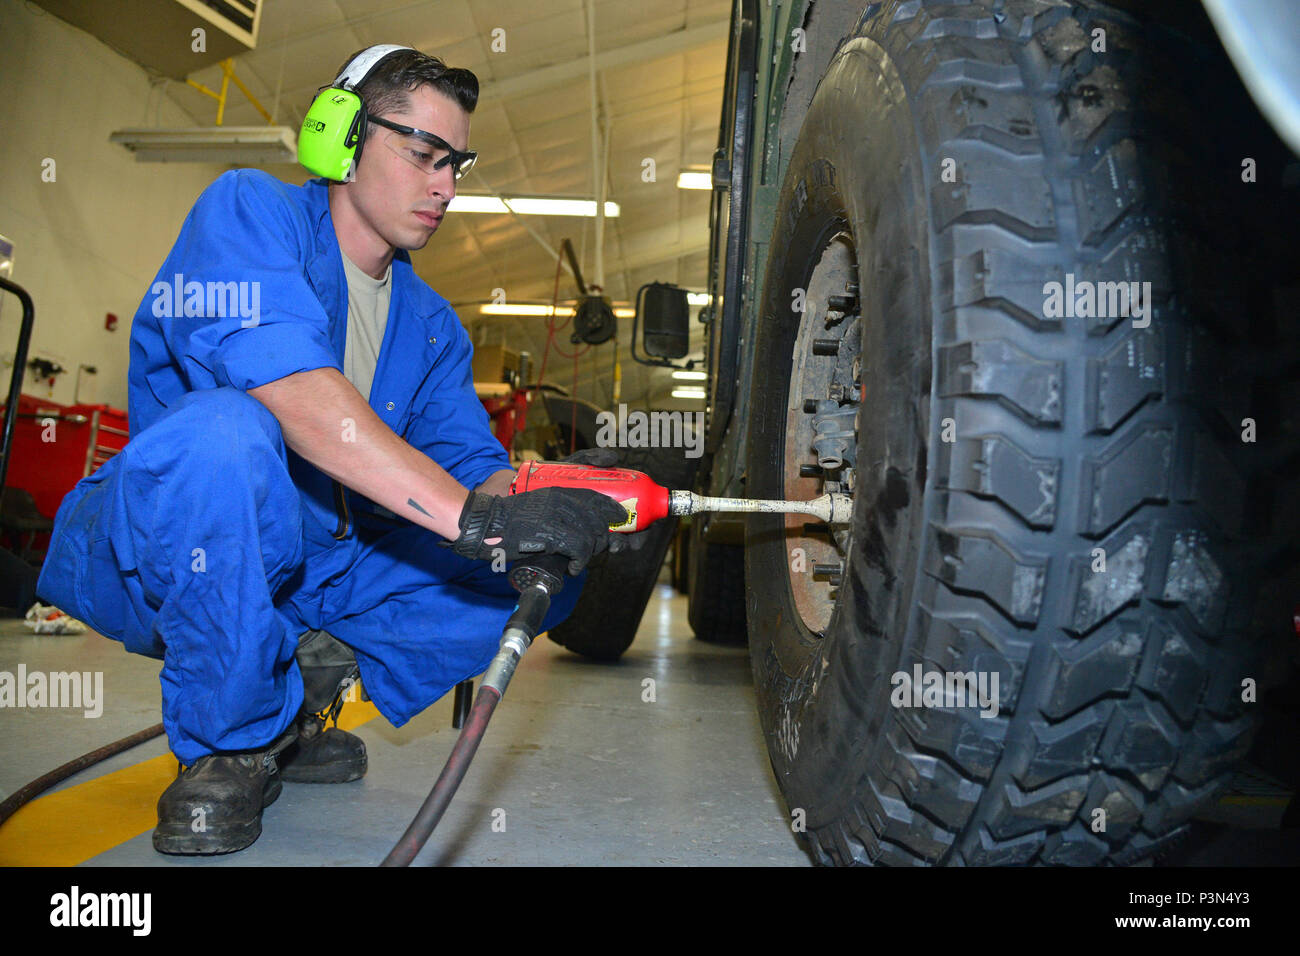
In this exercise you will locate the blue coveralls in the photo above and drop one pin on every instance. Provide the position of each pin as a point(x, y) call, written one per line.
point(208, 544)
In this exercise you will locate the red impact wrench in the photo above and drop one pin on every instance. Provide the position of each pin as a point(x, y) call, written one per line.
point(646, 502)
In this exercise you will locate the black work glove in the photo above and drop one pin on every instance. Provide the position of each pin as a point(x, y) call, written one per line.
point(608, 458)
point(573, 522)
point(594, 458)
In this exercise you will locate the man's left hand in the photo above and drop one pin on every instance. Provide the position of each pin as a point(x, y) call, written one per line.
point(608, 458)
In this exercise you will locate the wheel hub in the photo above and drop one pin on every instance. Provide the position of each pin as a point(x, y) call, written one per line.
point(821, 428)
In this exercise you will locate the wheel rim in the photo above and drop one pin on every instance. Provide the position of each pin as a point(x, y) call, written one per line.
point(821, 428)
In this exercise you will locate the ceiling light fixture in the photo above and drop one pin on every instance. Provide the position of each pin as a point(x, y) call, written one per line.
point(506, 308)
point(691, 179)
point(529, 205)
point(690, 376)
point(524, 309)
point(235, 145)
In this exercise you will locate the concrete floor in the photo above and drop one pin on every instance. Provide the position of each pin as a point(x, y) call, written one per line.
point(585, 771)
point(575, 769)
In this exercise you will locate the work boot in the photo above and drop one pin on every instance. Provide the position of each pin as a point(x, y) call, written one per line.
point(319, 755)
point(215, 804)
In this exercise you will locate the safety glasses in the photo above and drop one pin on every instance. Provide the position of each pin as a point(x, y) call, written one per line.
point(424, 150)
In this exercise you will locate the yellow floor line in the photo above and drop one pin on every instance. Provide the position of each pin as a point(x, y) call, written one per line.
point(80, 822)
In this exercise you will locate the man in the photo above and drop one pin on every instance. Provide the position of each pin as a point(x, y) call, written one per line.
point(274, 522)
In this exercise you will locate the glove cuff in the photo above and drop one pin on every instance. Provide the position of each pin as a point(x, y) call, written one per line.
point(478, 520)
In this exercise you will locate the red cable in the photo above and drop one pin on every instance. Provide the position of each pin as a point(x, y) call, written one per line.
point(563, 354)
point(573, 420)
point(551, 329)
point(550, 323)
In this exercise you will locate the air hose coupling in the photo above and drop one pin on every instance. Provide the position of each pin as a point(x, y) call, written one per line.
point(537, 580)
point(514, 642)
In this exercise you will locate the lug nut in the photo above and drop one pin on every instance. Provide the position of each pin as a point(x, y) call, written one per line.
point(810, 471)
point(826, 346)
point(845, 393)
point(842, 303)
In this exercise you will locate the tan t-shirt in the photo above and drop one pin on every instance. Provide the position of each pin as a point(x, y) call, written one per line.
point(368, 301)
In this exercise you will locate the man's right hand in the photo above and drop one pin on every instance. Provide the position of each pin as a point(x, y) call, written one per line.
point(573, 522)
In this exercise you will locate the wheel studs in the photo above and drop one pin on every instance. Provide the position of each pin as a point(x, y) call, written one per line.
point(826, 346)
point(835, 572)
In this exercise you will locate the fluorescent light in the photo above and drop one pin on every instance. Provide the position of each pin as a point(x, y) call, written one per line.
point(690, 376)
point(237, 145)
point(688, 392)
point(530, 205)
point(506, 308)
point(694, 180)
point(698, 298)
point(463, 203)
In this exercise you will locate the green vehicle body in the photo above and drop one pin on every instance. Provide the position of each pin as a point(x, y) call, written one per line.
point(754, 145)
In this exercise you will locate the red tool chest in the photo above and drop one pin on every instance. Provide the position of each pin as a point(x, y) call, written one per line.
point(84, 437)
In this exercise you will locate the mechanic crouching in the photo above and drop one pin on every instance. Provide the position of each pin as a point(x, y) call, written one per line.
point(295, 503)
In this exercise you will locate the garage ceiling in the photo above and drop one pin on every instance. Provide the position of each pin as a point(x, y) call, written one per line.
point(660, 79)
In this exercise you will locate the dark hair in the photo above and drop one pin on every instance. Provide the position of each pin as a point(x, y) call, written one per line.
point(400, 73)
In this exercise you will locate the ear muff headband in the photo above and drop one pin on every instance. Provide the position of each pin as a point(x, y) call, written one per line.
point(357, 70)
point(334, 130)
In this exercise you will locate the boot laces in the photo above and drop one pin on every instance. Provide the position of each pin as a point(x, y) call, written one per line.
point(331, 713)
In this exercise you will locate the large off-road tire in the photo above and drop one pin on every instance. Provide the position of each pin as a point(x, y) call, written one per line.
point(1003, 451)
point(618, 587)
point(680, 557)
point(716, 597)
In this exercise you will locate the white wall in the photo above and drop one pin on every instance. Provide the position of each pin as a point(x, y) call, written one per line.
point(91, 241)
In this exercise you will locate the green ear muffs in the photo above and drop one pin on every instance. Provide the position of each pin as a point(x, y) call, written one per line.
point(334, 130)
point(331, 135)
